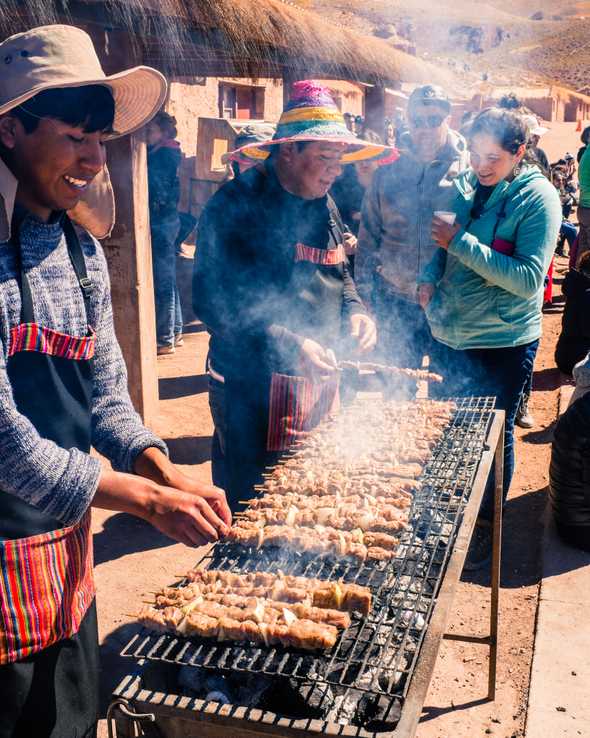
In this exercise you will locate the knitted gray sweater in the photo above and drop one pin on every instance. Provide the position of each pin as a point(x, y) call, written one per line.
point(58, 481)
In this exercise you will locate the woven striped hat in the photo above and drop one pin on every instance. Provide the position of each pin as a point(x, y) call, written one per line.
point(312, 115)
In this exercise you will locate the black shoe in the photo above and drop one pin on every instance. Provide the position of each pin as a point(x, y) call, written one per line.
point(524, 419)
point(480, 548)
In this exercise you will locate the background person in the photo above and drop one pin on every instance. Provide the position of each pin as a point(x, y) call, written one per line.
point(485, 312)
point(584, 138)
point(584, 205)
point(574, 340)
point(349, 190)
point(395, 242)
point(163, 160)
point(537, 154)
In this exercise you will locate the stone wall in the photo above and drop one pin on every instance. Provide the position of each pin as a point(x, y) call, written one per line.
point(190, 97)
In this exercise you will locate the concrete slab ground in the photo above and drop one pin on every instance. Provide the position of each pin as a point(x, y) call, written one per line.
point(559, 697)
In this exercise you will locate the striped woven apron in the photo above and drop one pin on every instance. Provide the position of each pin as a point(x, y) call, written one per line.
point(298, 404)
point(46, 582)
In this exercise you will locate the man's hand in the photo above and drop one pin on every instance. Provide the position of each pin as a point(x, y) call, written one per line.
point(350, 244)
point(316, 360)
point(155, 465)
point(184, 516)
point(364, 330)
point(443, 233)
point(424, 293)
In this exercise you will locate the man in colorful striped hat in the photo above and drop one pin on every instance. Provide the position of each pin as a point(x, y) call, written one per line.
point(273, 287)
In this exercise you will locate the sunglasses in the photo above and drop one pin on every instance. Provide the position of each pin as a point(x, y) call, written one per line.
point(428, 121)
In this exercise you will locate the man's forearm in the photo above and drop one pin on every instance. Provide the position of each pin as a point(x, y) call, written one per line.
point(155, 465)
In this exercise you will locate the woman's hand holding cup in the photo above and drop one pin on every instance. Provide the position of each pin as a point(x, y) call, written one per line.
point(444, 228)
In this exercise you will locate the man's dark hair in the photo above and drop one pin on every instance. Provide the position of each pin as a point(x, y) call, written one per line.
point(509, 102)
point(91, 108)
point(167, 124)
point(506, 127)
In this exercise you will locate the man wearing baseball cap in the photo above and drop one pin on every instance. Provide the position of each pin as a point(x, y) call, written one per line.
point(395, 242)
point(63, 384)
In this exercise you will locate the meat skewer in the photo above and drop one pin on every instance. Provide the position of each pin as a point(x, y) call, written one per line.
point(208, 601)
point(419, 374)
point(322, 593)
point(320, 539)
point(346, 519)
point(224, 625)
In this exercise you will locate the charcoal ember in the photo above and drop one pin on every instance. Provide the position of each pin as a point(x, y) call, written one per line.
point(249, 688)
point(295, 699)
point(377, 713)
point(193, 678)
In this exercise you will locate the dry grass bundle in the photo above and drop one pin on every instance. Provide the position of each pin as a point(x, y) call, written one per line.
point(251, 37)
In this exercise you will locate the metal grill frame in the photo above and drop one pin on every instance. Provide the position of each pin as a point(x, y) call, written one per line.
point(420, 670)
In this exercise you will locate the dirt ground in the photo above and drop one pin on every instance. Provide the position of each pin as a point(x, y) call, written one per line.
point(132, 559)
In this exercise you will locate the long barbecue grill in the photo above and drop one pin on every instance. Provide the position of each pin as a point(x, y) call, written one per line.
point(374, 681)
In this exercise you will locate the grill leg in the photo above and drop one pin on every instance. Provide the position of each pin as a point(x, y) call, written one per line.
point(496, 555)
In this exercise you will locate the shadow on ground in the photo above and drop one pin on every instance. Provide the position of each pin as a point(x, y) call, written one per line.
point(171, 388)
point(522, 536)
point(543, 435)
point(123, 534)
point(189, 449)
point(548, 380)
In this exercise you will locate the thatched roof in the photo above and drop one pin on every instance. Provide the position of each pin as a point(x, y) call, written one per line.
point(231, 37)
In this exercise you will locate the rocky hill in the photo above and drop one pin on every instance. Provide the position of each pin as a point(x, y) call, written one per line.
point(502, 41)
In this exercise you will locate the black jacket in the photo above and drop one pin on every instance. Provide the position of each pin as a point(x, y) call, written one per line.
point(163, 182)
point(255, 299)
point(574, 341)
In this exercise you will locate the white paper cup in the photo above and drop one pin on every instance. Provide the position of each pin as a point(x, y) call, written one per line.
point(446, 215)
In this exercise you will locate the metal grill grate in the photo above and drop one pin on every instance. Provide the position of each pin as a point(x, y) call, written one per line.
point(376, 654)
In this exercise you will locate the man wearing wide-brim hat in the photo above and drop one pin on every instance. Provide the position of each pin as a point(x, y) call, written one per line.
point(273, 287)
point(63, 385)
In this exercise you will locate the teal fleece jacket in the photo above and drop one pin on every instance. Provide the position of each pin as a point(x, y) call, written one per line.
point(484, 298)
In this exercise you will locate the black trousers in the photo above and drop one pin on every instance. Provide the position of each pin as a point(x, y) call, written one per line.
point(54, 693)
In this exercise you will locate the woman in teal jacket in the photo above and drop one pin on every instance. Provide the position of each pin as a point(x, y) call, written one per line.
point(483, 291)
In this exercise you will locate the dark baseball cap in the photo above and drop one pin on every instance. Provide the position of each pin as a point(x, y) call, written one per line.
point(429, 95)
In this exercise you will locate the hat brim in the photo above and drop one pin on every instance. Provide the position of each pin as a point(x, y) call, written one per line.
point(138, 93)
point(540, 131)
point(357, 150)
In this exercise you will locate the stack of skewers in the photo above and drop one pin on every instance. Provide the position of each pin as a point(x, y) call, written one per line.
point(345, 491)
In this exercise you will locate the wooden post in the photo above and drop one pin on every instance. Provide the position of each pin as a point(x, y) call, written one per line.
point(128, 253)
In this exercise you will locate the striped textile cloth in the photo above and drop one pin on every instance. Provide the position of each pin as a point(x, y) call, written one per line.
point(325, 257)
point(46, 587)
point(297, 405)
point(33, 337)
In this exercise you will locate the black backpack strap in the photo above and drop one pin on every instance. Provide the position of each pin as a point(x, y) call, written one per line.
point(78, 262)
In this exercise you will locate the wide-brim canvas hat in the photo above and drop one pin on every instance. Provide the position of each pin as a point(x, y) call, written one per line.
point(60, 56)
point(312, 115)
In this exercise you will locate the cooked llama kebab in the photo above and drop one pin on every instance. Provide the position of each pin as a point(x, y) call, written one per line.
point(263, 608)
point(317, 540)
point(237, 624)
point(368, 366)
point(338, 595)
point(384, 518)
